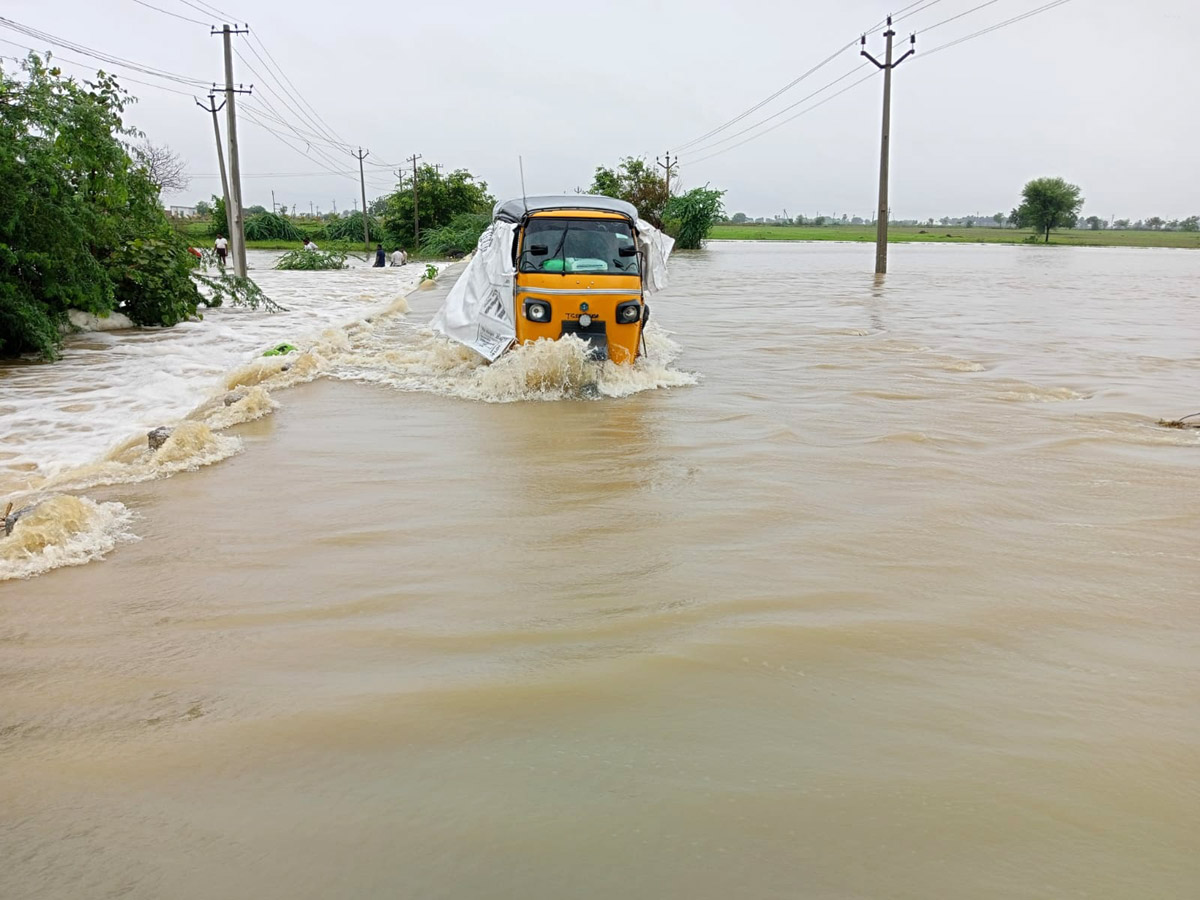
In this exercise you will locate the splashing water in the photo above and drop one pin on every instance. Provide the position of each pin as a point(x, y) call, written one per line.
point(62, 531)
point(417, 359)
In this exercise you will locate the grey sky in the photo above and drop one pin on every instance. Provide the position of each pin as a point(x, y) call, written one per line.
point(1102, 92)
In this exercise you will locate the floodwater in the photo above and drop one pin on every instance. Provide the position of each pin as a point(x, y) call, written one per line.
point(855, 590)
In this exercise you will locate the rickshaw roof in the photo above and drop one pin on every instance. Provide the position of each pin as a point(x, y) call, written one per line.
point(516, 209)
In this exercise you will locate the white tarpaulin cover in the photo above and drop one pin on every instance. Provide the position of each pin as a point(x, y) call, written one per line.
point(656, 247)
point(478, 310)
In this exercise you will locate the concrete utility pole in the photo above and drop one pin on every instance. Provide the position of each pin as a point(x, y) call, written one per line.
point(362, 183)
point(214, 109)
point(273, 201)
point(237, 235)
point(416, 218)
point(668, 166)
point(881, 228)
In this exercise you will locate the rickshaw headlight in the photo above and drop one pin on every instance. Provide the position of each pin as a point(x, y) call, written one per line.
point(628, 313)
point(537, 310)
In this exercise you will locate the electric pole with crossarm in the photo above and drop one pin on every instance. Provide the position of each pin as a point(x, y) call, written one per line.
point(881, 229)
point(237, 235)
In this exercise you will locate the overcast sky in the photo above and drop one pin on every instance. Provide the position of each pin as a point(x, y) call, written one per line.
point(1101, 92)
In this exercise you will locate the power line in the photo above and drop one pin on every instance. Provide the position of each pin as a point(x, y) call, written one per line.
point(776, 115)
point(1033, 12)
point(787, 87)
point(74, 62)
point(167, 12)
point(211, 10)
point(909, 10)
point(802, 112)
point(84, 50)
point(959, 16)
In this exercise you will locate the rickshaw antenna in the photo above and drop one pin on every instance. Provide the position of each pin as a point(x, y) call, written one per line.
point(521, 163)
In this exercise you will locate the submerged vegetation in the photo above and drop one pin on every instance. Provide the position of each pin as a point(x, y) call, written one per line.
point(311, 260)
point(81, 225)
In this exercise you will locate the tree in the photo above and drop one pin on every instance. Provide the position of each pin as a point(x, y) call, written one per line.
point(635, 182)
point(1154, 222)
point(440, 198)
point(256, 209)
point(164, 167)
point(690, 217)
point(998, 218)
point(1191, 223)
point(1095, 223)
point(739, 218)
point(1121, 223)
point(203, 208)
point(81, 223)
point(1049, 203)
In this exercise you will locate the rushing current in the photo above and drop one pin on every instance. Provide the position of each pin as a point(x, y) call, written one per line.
point(854, 588)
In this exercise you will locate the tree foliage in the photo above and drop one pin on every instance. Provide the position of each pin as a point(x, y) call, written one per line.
point(265, 226)
point(1049, 203)
point(440, 198)
point(690, 217)
point(636, 182)
point(350, 228)
point(458, 238)
point(164, 167)
point(81, 225)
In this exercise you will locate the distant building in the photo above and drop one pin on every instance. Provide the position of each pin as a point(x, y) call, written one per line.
point(181, 212)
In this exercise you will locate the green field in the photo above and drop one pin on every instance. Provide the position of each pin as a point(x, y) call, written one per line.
point(197, 233)
point(952, 235)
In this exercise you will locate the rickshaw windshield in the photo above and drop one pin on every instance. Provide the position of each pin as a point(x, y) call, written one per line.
point(584, 246)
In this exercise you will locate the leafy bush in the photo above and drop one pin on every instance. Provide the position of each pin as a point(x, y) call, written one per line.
point(81, 224)
point(311, 260)
point(431, 272)
point(218, 219)
point(350, 228)
point(459, 237)
point(441, 198)
point(690, 217)
point(266, 226)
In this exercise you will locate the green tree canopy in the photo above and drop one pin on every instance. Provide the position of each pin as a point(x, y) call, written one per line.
point(690, 217)
point(1049, 203)
point(81, 225)
point(440, 198)
point(636, 182)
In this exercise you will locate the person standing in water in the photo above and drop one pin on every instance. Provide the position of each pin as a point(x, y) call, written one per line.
point(221, 247)
point(399, 257)
point(380, 257)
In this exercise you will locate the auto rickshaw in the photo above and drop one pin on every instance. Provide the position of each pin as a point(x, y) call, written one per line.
point(553, 266)
point(578, 271)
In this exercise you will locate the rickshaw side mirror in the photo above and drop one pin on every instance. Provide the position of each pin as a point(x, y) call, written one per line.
point(539, 250)
point(627, 251)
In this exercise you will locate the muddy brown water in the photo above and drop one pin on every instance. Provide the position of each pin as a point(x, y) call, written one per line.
point(899, 600)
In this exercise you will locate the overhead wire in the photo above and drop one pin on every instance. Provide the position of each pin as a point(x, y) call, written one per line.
point(1025, 15)
point(787, 108)
point(74, 62)
point(981, 32)
point(169, 13)
point(904, 12)
point(111, 59)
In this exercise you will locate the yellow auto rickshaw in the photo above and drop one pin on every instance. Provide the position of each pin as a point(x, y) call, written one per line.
point(553, 266)
point(578, 272)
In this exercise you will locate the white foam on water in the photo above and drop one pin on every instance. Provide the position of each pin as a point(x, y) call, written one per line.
point(62, 531)
point(418, 359)
point(58, 416)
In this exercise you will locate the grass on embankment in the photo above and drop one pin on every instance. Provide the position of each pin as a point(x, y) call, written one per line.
point(197, 233)
point(954, 235)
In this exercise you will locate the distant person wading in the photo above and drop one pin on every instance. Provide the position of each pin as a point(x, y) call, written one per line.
point(221, 247)
point(380, 257)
